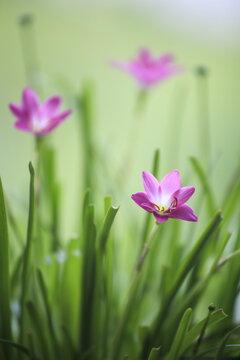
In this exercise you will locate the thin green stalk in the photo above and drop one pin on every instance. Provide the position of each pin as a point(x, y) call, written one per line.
point(133, 138)
point(38, 146)
point(27, 255)
point(130, 299)
point(5, 314)
point(203, 114)
point(44, 294)
point(184, 269)
point(211, 308)
point(28, 43)
point(85, 105)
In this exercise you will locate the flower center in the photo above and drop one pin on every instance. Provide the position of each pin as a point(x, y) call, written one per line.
point(38, 124)
point(163, 209)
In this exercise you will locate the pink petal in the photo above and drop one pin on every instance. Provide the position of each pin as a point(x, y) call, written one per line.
point(51, 106)
point(151, 186)
point(142, 200)
point(160, 218)
point(15, 109)
point(184, 212)
point(170, 183)
point(24, 126)
point(55, 122)
point(122, 65)
point(166, 59)
point(184, 194)
point(144, 55)
point(30, 101)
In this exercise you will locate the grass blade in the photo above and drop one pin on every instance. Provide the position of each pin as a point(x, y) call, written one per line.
point(44, 294)
point(108, 221)
point(5, 315)
point(175, 351)
point(187, 264)
point(220, 352)
point(154, 353)
point(215, 317)
point(27, 253)
point(20, 347)
point(212, 206)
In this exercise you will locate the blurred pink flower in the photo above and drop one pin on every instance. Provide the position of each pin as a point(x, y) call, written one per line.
point(36, 118)
point(165, 199)
point(147, 70)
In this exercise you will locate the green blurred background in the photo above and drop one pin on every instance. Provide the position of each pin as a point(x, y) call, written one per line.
point(75, 42)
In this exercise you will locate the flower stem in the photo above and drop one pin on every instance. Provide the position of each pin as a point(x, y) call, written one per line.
point(203, 114)
point(28, 44)
point(37, 189)
point(133, 137)
point(131, 297)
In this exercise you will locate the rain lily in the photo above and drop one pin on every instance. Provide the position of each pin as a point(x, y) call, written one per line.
point(165, 199)
point(147, 70)
point(36, 118)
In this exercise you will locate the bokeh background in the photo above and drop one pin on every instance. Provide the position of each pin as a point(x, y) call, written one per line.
point(75, 41)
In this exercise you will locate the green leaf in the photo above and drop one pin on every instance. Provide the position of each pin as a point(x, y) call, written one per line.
point(44, 294)
point(20, 347)
point(85, 102)
point(205, 184)
point(36, 321)
point(5, 315)
point(154, 353)
point(176, 351)
point(220, 353)
point(28, 253)
point(88, 280)
point(193, 333)
point(187, 264)
point(108, 221)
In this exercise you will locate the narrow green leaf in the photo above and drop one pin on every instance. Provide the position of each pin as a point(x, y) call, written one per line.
point(107, 203)
point(175, 351)
point(220, 352)
point(20, 347)
point(86, 201)
point(205, 184)
point(44, 294)
point(37, 324)
point(88, 280)
point(85, 102)
point(154, 353)
point(187, 264)
point(194, 332)
point(108, 221)
point(5, 315)
point(27, 253)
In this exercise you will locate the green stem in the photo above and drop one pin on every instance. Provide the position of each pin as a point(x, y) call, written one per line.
point(133, 137)
point(28, 43)
point(27, 255)
point(130, 299)
point(203, 114)
point(211, 308)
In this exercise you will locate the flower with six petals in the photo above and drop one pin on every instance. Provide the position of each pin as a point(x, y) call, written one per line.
point(165, 199)
point(147, 70)
point(38, 119)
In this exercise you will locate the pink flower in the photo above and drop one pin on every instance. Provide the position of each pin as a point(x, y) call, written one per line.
point(147, 70)
point(35, 118)
point(165, 199)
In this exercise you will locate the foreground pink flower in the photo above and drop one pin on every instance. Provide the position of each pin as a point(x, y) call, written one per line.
point(165, 199)
point(36, 118)
point(147, 70)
